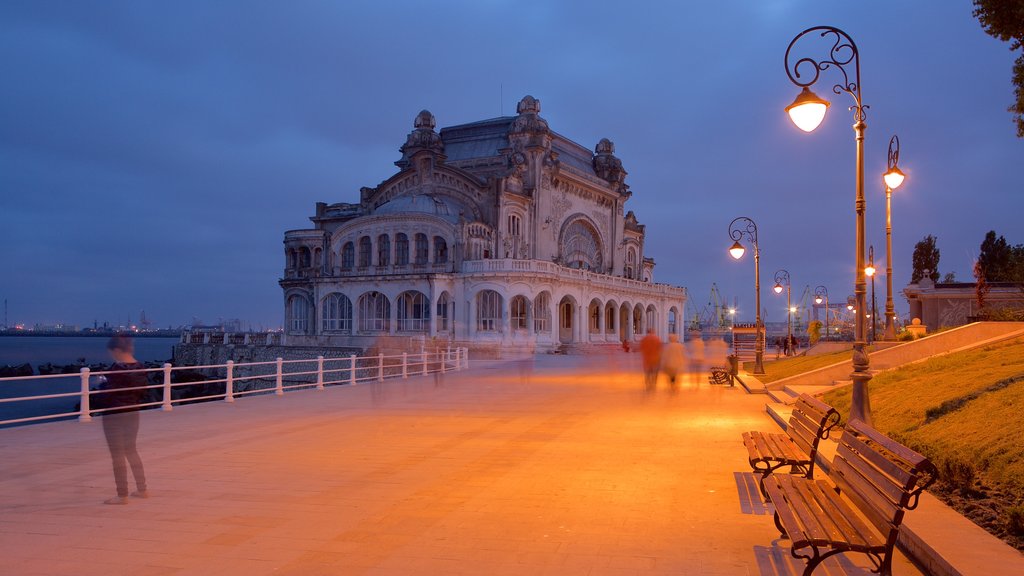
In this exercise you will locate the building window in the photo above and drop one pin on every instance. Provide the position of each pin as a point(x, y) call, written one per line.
point(298, 314)
point(413, 312)
point(518, 313)
point(337, 311)
point(566, 310)
point(401, 249)
point(581, 247)
point(651, 319)
point(440, 250)
point(348, 256)
point(364, 252)
point(383, 250)
point(594, 317)
point(422, 249)
point(442, 312)
point(672, 321)
point(609, 319)
point(374, 312)
point(630, 262)
point(514, 225)
point(488, 311)
point(541, 312)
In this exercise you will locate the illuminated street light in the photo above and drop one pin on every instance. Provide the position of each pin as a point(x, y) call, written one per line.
point(748, 228)
point(893, 178)
point(870, 271)
point(843, 53)
point(782, 276)
point(820, 294)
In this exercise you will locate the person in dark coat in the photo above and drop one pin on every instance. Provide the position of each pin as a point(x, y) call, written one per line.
point(120, 396)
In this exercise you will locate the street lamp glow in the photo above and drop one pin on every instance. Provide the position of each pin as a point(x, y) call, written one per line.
point(737, 250)
point(893, 178)
point(807, 110)
point(817, 300)
point(792, 309)
point(777, 288)
point(869, 270)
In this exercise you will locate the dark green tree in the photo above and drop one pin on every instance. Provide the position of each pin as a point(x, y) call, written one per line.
point(1004, 19)
point(995, 258)
point(926, 257)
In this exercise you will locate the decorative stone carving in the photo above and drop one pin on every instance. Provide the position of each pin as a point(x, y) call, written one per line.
point(607, 166)
point(529, 120)
point(422, 138)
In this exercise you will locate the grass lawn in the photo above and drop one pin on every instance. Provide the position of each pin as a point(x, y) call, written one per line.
point(786, 367)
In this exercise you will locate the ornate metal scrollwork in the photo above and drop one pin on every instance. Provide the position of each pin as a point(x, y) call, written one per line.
point(736, 232)
point(894, 152)
point(842, 54)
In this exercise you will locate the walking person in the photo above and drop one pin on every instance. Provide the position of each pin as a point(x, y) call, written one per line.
point(121, 394)
point(673, 359)
point(650, 353)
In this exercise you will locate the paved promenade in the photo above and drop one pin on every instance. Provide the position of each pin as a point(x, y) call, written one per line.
point(560, 466)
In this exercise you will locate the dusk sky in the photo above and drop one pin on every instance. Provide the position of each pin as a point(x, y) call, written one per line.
point(152, 155)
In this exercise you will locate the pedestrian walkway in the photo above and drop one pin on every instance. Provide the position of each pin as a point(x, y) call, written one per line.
point(561, 466)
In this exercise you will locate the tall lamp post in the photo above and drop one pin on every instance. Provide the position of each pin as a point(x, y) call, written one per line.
point(807, 112)
point(869, 271)
point(821, 293)
point(893, 178)
point(780, 277)
point(739, 228)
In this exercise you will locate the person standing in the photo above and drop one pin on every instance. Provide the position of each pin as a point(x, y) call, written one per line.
point(650, 352)
point(673, 359)
point(121, 395)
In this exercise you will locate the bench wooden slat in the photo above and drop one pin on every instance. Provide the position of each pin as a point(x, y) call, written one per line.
point(894, 490)
point(900, 472)
point(849, 525)
point(876, 507)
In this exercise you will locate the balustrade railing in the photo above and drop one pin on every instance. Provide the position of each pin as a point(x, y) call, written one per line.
point(219, 382)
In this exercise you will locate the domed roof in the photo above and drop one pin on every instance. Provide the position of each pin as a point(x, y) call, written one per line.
point(431, 204)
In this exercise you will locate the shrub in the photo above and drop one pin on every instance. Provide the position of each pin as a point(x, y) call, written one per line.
point(1015, 519)
point(957, 473)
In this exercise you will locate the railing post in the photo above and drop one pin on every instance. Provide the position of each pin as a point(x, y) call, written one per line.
point(352, 369)
point(380, 367)
point(279, 390)
point(444, 361)
point(229, 382)
point(167, 407)
point(458, 359)
point(465, 356)
point(84, 415)
point(405, 365)
point(423, 352)
point(319, 372)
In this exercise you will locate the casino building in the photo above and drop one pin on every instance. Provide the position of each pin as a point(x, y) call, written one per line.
point(497, 235)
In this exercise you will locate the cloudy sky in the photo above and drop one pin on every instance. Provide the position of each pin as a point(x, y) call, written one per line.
point(152, 154)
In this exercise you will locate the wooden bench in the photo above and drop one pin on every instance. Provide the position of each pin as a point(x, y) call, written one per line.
point(810, 422)
point(876, 479)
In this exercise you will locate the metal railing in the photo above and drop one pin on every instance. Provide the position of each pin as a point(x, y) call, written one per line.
point(229, 381)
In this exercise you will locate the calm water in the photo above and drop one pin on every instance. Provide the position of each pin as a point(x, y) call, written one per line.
point(62, 350)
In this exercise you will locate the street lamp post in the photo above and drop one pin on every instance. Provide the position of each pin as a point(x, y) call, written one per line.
point(870, 272)
point(780, 277)
point(807, 112)
point(739, 228)
point(893, 178)
point(821, 293)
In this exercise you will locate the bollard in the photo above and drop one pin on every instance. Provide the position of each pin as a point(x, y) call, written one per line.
point(279, 390)
point(319, 372)
point(405, 365)
point(352, 370)
point(167, 407)
point(84, 416)
point(229, 382)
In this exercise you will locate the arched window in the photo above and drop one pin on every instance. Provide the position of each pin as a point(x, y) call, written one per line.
point(594, 317)
point(304, 257)
point(297, 311)
point(440, 250)
point(383, 250)
point(652, 315)
point(488, 311)
point(672, 321)
point(413, 312)
point(518, 313)
point(581, 247)
point(374, 312)
point(422, 249)
point(337, 310)
point(542, 312)
point(514, 225)
point(290, 255)
point(348, 256)
point(364, 252)
point(630, 263)
point(609, 318)
point(442, 312)
point(401, 249)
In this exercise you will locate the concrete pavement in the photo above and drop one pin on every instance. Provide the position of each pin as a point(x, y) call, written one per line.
point(563, 465)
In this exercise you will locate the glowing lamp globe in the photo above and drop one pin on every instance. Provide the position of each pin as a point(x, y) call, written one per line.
point(808, 110)
point(792, 309)
point(893, 178)
point(737, 250)
point(869, 270)
point(817, 299)
point(777, 288)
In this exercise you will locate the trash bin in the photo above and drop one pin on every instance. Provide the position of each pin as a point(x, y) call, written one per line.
point(734, 364)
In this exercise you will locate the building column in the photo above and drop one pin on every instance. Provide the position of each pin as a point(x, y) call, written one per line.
point(471, 318)
point(600, 322)
point(393, 316)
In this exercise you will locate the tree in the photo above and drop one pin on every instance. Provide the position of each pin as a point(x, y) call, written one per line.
point(949, 278)
point(1004, 19)
point(926, 258)
point(814, 331)
point(994, 259)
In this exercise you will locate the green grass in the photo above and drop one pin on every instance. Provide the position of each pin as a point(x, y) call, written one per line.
point(786, 367)
point(965, 406)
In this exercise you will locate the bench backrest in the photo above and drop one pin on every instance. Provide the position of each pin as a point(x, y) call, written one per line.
point(882, 477)
point(811, 421)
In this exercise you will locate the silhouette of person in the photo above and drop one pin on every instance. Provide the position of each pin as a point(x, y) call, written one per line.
point(650, 353)
point(121, 394)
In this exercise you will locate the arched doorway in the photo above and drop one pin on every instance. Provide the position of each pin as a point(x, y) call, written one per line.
point(566, 319)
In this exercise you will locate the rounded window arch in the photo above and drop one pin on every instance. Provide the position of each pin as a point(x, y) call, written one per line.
point(443, 304)
point(297, 311)
point(518, 307)
point(348, 256)
point(383, 250)
point(337, 311)
point(413, 312)
point(488, 311)
point(365, 248)
point(401, 249)
point(440, 250)
point(542, 313)
point(581, 245)
point(422, 249)
point(374, 312)
point(631, 263)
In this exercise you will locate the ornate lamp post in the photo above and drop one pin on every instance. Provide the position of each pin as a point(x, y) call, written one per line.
point(807, 112)
point(821, 293)
point(780, 277)
point(893, 178)
point(739, 228)
point(869, 271)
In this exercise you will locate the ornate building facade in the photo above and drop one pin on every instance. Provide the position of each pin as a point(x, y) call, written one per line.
point(496, 234)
